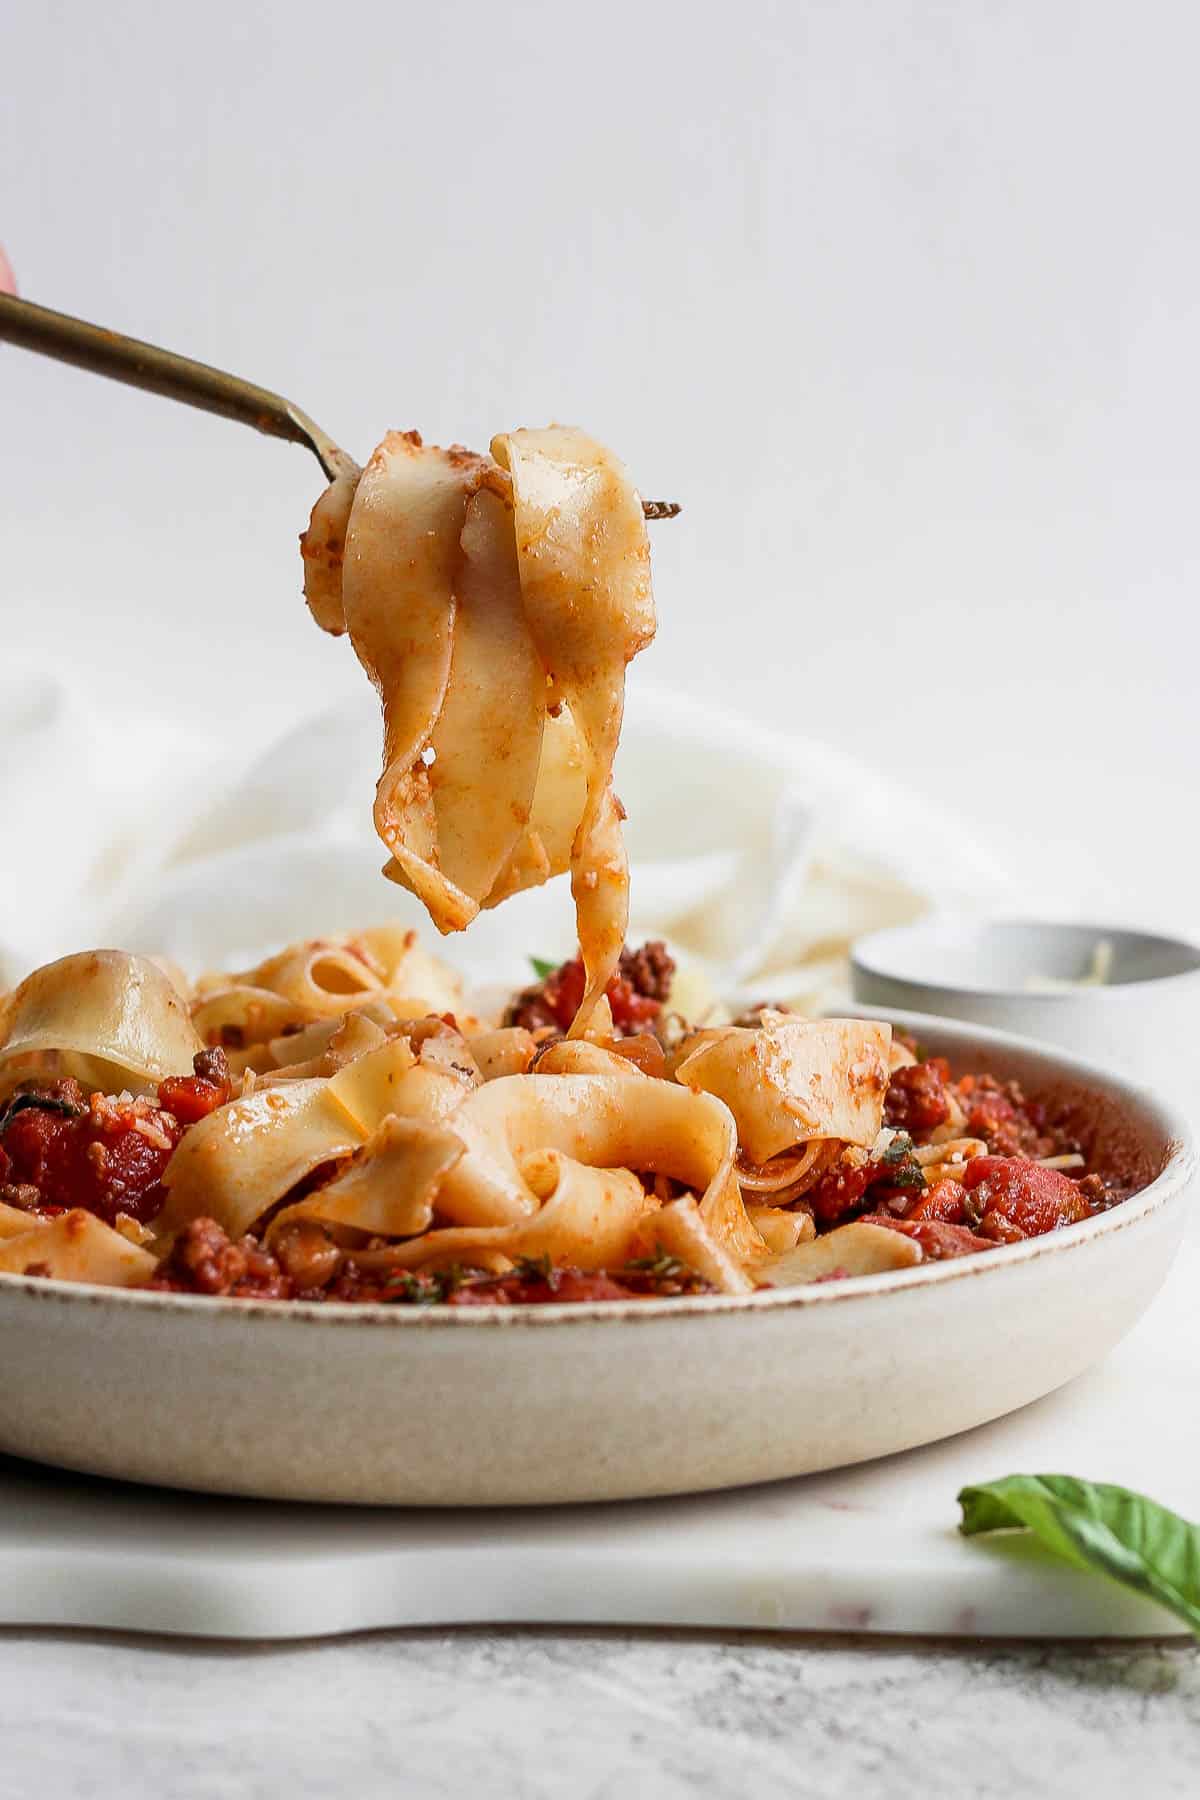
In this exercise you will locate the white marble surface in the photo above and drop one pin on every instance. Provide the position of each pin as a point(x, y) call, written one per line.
point(533, 1715)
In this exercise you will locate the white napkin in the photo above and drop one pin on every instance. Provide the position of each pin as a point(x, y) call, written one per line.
point(765, 854)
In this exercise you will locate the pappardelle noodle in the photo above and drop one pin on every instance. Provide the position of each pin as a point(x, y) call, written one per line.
point(495, 602)
point(335, 1124)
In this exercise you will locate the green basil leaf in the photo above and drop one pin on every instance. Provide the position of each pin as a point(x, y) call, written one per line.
point(1094, 1525)
point(908, 1175)
point(534, 1268)
point(541, 968)
point(41, 1102)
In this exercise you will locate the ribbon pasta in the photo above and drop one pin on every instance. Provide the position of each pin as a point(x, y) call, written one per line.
point(416, 1139)
point(105, 1016)
point(495, 603)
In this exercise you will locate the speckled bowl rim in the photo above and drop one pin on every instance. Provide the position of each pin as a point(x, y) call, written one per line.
point(1178, 1169)
point(1114, 993)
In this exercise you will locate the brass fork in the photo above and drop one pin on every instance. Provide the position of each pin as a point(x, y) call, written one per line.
point(176, 377)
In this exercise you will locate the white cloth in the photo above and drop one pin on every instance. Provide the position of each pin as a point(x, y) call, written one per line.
point(763, 853)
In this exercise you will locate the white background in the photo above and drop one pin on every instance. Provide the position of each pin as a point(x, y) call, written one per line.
point(901, 300)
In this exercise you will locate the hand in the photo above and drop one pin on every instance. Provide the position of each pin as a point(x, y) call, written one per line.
point(8, 281)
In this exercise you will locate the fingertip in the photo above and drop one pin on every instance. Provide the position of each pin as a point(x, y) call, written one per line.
point(8, 281)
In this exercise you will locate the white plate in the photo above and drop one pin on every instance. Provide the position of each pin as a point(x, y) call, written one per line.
point(448, 1407)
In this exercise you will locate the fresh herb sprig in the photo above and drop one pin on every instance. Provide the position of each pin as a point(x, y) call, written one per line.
point(535, 1268)
point(24, 1102)
point(1096, 1526)
point(904, 1171)
point(663, 1266)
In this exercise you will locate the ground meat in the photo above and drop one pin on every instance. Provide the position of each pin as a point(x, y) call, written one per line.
point(19, 1194)
point(366, 1287)
point(650, 971)
point(204, 1260)
point(532, 1011)
point(1101, 1192)
point(1009, 1123)
point(916, 1099)
point(635, 993)
point(192, 1097)
point(212, 1065)
point(939, 1240)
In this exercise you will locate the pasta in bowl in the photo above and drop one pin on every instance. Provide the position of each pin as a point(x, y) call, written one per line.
point(415, 1394)
point(337, 1125)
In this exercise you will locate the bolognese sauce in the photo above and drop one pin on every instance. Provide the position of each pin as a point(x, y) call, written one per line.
point(102, 1153)
point(61, 1148)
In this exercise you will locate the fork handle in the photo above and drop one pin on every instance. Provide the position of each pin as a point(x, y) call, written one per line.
point(139, 365)
point(158, 371)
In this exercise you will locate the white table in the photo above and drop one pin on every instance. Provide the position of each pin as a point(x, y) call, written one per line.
point(603, 1715)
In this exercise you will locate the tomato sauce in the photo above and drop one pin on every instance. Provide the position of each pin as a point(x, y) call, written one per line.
point(636, 993)
point(104, 1156)
point(1012, 1198)
point(60, 1148)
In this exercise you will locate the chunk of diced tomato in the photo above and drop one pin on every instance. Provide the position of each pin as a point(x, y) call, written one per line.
point(945, 1200)
point(1011, 1191)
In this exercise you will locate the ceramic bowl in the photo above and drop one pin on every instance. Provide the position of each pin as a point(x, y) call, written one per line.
point(1144, 1019)
point(482, 1406)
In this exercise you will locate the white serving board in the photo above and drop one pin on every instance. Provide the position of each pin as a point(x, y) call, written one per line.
point(870, 1549)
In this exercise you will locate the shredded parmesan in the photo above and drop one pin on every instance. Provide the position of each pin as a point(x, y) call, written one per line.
point(1098, 974)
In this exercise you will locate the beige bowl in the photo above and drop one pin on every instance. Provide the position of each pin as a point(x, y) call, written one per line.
point(442, 1407)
